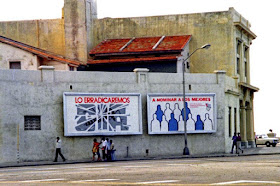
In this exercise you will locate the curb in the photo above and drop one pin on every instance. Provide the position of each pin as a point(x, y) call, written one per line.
point(29, 164)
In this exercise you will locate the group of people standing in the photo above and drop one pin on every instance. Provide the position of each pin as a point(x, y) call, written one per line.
point(236, 142)
point(107, 148)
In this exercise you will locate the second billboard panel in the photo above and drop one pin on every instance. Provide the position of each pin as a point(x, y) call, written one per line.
point(166, 113)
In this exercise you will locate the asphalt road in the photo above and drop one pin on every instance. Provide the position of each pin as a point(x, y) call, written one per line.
point(244, 170)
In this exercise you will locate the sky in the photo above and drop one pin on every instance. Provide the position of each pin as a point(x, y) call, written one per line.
point(263, 16)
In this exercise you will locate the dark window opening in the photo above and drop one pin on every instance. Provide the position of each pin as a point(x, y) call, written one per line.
point(235, 120)
point(32, 122)
point(246, 71)
point(15, 65)
point(237, 66)
point(71, 68)
point(229, 121)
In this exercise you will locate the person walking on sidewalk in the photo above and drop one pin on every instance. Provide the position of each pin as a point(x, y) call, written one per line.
point(234, 143)
point(238, 147)
point(58, 149)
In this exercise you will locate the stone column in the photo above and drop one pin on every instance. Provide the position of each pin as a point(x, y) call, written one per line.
point(250, 127)
point(141, 74)
point(47, 73)
point(243, 125)
point(221, 76)
point(143, 86)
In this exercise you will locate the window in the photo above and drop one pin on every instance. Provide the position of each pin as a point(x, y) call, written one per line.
point(245, 64)
point(15, 65)
point(32, 122)
point(229, 121)
point(238, 48)
point(246, 60)
point(237, 65)
point(246, 52)
point(235, 120)
point(71, 68)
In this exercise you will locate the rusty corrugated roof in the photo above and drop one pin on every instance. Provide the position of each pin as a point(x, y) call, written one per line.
point(138, 45)
point(144, 49)
point(40, 52)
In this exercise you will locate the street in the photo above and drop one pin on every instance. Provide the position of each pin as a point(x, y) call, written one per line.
point(243, 170)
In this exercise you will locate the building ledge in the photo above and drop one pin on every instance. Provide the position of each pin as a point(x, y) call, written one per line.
point(232, 92)
point(248, 86)
point(246, 29)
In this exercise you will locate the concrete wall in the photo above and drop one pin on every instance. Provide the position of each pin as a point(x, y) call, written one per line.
point(232, 100)
point(75, 28)
point(40, 93)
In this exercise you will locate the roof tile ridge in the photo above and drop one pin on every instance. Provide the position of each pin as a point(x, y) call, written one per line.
point(39, 51)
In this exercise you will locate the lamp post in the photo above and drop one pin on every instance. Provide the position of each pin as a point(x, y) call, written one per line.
point(186, 149)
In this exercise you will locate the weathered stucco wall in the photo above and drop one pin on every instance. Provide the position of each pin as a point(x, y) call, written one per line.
point(33, 94)
point(9, 54)
point(75, 29)
point(28, 60)
point(215, 28)
point(44, 34)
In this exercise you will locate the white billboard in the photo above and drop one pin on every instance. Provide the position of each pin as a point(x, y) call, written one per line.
point(166, 113)
point(90, 114)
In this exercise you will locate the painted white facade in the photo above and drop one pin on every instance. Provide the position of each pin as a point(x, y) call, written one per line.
point(12, 54)
point(28, 61)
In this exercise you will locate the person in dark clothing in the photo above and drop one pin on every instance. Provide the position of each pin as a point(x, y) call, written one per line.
point(234, 143)
point(108, 149)
point(238, 144)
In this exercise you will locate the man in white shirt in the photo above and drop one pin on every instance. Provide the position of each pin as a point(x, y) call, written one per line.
point(58, 149)
point(104, 145)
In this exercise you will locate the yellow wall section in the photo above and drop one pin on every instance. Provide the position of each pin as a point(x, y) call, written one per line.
point(44, 34)
point(215, 28)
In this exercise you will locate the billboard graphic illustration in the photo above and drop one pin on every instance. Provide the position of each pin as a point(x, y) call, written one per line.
point(166, 113)
point(102, 114)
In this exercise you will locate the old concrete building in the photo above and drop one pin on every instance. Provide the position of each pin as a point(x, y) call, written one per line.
point(17, 55)
point(158, 54)
point(36, 97)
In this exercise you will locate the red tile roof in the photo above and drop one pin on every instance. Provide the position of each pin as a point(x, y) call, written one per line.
point(138, 45)
point(42, 53)
point(127, 60)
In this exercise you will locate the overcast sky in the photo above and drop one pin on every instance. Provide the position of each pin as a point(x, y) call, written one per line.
point(263, 16)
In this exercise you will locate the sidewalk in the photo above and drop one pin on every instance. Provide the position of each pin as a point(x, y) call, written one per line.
point(247, 152)
point(261, 150)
